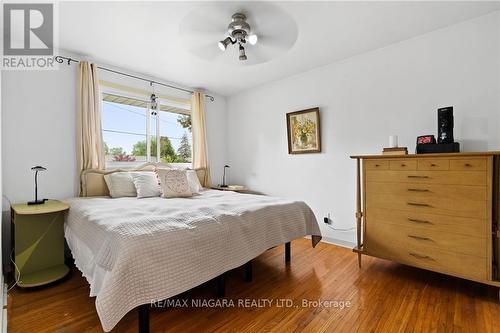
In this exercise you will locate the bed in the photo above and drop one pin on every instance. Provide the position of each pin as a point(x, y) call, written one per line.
point(134, 252)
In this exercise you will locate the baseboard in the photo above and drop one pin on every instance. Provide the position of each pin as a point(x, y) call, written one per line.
point(338, 242)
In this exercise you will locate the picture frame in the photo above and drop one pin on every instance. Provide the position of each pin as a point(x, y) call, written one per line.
point(304, 131)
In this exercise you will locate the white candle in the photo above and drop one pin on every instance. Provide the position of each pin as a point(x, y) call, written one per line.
point(393, 141)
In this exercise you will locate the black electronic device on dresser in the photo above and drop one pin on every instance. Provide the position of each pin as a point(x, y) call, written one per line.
point(445, 141)
point(445, 125)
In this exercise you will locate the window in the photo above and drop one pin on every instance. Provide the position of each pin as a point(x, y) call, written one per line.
point(128, 123)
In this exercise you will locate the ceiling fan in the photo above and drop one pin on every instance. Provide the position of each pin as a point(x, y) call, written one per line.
point(239, 33)
point(202, 28)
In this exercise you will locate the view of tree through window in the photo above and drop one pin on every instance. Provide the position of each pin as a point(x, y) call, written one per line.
point(124, 134)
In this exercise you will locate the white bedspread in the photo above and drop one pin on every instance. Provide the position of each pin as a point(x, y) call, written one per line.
point(134, 251)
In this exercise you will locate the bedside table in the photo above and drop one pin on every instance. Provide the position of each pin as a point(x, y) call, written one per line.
point(234, 188)
point(39, 242)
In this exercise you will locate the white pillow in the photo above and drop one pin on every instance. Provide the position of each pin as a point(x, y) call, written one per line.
point(146, 184)
point(174, 183)
point(194, 181)
point(120, 184)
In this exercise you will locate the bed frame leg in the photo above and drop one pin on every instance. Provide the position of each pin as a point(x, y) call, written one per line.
point(221, 285)
point(248, 271)
point(143, 318)
point(288, 252)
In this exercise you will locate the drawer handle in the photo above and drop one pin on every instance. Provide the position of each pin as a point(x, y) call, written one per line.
point(468, 165)
point(419, 221)
point(419, 177)
point(403, 165)
point(419, 256)
point(420, 238)
point(377, 165)
point(418, 204)
point(433, 165)
point(418, 190)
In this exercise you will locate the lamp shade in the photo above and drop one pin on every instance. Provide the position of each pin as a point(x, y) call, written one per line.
point(38, 168)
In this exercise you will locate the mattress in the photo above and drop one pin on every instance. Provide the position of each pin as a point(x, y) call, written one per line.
point(137, 251)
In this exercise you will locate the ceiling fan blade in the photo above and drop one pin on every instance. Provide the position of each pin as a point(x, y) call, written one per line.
point(279, 43)
point(210, 51)
point(261, 54)
point(190, 39)
point(212, 17)
point(218, 12)
point(198, 24)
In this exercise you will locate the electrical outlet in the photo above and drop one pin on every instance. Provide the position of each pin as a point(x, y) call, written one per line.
point(327, 219)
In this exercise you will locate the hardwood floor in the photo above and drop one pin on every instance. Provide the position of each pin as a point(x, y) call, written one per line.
point(383, 296)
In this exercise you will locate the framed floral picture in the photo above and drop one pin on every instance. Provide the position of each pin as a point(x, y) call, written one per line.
point(304, 134)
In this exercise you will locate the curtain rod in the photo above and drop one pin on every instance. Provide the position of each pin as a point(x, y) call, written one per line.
point(61, 59)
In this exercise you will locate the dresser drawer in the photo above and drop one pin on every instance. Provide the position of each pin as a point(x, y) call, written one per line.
point(428, 192)
point(402, 164)
point(419, 204)
point(427, 177)
point(427, 164)
point(471, 164)
point(419, 220)
point(463, 265)
point(425, 256)
point(425, 238)
point(376, 164)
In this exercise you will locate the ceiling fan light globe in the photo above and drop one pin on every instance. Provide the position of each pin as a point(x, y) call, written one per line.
point(252, 39)
point(222, 46)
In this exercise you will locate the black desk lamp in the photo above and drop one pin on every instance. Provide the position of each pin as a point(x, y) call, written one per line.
point(37, 202)
point(224, 176)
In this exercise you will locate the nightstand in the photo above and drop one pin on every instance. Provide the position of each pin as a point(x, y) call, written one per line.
point(234, 188)
point(39, 242)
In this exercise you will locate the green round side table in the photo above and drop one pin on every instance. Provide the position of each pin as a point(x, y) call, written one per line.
point(39, 242)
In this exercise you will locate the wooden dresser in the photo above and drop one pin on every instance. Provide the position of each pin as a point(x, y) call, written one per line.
point(434, 211)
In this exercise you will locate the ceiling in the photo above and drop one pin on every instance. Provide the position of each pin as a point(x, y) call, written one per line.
point(148, 37)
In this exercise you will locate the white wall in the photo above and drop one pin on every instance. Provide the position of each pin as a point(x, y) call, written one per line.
point(363, 100)
point(216, 122)
point(39, 128)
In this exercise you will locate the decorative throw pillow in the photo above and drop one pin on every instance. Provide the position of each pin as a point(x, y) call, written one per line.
point(194, 181)
point(146, 184)
point(174, 183)
point(120, 184)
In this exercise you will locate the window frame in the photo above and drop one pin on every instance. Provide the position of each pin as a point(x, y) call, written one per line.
point(105, 89)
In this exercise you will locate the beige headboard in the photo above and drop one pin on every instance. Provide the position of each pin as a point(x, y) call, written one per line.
point(93, 184)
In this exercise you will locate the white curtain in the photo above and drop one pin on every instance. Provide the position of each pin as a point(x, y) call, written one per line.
point(90, 148)
point(200, 158)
